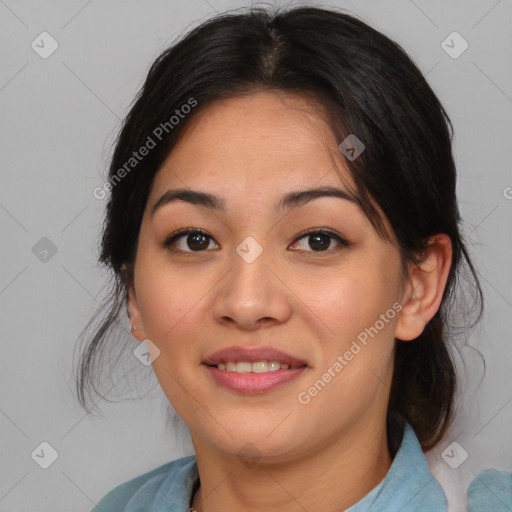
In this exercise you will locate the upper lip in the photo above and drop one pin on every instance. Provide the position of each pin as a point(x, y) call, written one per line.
point(252, 355)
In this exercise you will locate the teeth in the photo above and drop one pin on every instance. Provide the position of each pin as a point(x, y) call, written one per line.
point(274, 365)
point(243, 367)
point(256, 367)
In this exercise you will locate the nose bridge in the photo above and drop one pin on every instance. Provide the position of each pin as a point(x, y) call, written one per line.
point(250, 277)
point(251, 290)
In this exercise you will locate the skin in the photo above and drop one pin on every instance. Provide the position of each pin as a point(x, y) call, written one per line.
point(312, 304)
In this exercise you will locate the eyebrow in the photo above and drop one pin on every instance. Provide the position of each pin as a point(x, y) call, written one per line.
point(288, 201)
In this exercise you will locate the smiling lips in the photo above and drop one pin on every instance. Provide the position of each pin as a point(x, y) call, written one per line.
point(253, 355)
point(253, 370)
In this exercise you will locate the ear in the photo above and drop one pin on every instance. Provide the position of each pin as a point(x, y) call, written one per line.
point(134, 313)
point(424, 288)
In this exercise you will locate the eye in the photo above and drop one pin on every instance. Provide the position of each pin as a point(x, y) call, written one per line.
point(198, 240)
point(320, 240)
point(195, 239)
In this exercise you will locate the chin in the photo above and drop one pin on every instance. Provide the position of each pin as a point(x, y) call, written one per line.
point(253, 445)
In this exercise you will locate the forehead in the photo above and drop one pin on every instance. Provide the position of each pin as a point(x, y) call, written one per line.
point(261, 144)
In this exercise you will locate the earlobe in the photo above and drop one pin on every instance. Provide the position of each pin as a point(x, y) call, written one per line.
point(136, 325)
point(424, 289)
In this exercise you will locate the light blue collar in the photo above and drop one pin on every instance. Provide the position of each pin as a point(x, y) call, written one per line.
point(408, 486)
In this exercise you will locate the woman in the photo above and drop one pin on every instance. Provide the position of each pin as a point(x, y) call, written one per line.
point(283, 230)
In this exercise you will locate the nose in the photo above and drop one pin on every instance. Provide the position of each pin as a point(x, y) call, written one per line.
point(252, 295)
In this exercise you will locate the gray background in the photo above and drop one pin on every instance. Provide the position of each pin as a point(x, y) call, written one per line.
point(60, 116)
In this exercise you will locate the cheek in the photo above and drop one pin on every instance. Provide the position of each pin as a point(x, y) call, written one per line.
point(358, 322)
point(170, 298)
point(350, 301)
point(173, 314)
point(354, 365)
point(174, 308)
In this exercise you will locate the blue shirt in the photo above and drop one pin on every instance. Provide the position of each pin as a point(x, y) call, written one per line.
point(408, 487)
point(490, 491)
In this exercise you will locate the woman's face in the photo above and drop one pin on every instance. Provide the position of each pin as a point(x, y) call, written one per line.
point(255, 280)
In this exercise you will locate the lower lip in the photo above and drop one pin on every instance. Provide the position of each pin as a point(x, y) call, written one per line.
point(253, 383)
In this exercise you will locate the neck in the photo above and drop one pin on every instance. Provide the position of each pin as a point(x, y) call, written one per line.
point(330, 478)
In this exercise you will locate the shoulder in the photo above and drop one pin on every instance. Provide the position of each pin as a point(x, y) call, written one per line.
point(145, 486)
point(490, 491)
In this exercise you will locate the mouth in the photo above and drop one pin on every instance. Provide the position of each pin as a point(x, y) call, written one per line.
point(254, 367)
point(253, 370)
point(253, 360)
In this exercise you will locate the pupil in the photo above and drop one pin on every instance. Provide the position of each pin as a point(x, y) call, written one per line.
point(320, 245)
point(196, 237)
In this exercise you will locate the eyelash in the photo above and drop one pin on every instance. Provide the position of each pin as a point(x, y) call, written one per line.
point(343, 243)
